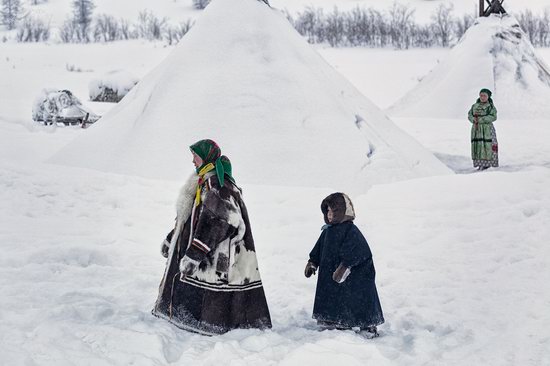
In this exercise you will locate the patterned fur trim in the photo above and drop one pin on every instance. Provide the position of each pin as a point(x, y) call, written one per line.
point(221, 287)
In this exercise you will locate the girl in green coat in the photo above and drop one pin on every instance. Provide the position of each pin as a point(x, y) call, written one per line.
point(483, 136)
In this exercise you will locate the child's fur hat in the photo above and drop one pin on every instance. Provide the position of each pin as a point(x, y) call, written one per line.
point(341, 206)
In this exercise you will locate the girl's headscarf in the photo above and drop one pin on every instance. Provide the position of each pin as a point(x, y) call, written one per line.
point(210, 153)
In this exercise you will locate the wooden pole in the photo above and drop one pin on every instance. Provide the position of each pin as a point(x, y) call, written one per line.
point(481, 7)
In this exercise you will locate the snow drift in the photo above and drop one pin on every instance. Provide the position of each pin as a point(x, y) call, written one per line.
point(245, 78)
point(494, 53)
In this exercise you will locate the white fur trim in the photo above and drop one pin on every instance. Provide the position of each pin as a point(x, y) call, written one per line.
point(186, 198)
point(349, 206)
point(184, 209)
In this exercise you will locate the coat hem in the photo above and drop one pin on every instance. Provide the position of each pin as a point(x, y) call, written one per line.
point(360, 324)
point(182, 325)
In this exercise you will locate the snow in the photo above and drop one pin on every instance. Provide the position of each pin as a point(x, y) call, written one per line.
point(383, 85)
point(462, 260)
point(263, 94)
point(494, 54)
point(80, 283)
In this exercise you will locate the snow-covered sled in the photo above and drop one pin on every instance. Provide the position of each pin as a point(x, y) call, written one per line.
point(61, 107)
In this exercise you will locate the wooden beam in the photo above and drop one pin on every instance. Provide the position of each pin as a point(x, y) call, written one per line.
point(495, 7)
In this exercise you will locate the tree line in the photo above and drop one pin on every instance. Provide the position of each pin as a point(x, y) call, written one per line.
point(397, 27)
point(82, 26)
point(358, 27)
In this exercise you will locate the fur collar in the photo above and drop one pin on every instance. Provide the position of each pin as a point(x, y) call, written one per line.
point(186, 198)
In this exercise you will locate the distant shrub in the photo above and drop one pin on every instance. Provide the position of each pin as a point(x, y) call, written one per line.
point(126, 31)
point(33, 30)
point(175, 33)
point(149, 26)
point(106, 28)
point(536, 27)
point(67, 31)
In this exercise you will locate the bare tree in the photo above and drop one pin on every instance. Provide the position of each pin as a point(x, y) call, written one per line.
point(106, 28)
point(401, 24)
point(150, 26)
point(356, 27)
point(423, 36)
point(334, 29)
point(462, 25)
point(528, 23)
point(310, 24)
point(544, 29)
point(82, 17)
point(126, 31)
point(11, 11)
point(67, 31)
point(536, 27)
point(443, 23)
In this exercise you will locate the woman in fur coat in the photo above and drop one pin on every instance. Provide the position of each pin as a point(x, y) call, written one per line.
point(346, 295)
point(211, 283)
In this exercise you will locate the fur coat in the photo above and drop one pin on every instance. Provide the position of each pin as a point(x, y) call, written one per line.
point(226, 291)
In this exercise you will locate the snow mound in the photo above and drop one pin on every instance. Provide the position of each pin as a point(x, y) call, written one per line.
point(246, 79)
point(494, 53)
point(112, 87)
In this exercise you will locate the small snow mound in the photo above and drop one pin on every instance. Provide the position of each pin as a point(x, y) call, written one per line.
point(112, 86)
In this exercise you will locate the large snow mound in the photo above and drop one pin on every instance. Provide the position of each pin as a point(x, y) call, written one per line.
point(245, 78)
point(494, 53)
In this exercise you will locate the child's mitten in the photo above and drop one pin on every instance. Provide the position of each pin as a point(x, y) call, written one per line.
point(310, 269)
point(341, 273)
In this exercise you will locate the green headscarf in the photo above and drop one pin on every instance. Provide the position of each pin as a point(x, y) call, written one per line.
point(210, 152)
point(223, 168)
point(488, 92)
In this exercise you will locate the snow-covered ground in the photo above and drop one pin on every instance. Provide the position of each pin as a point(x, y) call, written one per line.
point(463, 260)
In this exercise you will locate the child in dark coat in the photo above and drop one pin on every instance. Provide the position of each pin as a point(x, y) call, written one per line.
point(346, 295)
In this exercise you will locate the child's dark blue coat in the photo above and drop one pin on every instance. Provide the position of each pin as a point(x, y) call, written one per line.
point(353, 303)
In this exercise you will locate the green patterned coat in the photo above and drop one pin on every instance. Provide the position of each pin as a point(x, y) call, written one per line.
point(483, 135)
